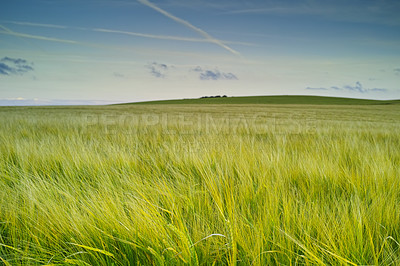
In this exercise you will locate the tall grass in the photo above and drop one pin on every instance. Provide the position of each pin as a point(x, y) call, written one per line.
point(200, 185)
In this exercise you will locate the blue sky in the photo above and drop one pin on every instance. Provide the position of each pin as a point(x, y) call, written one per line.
point(101, 51)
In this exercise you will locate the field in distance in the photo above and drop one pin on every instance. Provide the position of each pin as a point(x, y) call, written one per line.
point(185, 184)
point(282, 99)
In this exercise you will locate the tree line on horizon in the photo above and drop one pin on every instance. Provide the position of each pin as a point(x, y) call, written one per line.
point(216, 96)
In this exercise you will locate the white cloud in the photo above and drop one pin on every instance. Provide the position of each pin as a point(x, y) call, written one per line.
point(358, 87)
point(158, 70)
point(209, 74)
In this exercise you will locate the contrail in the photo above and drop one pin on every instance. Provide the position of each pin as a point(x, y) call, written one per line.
point(152, 36)
point(166, 37)
point(43, 38)
point(37, 24)
point(190, 26)
point(137, 34)
point(37, 37)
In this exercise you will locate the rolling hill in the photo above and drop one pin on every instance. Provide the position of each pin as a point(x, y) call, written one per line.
point(282, 99)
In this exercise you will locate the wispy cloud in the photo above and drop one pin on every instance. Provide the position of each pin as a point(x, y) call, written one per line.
point(118, 75)
point(286, 10)
point(38, 24)
point(380, 12)
point(129, 33)
point(51, 39)
point(358, 87)
point(208, 74)
point(167, 37)
point(152, 36)
point(14, 66)
point(37, 37)
point(397, 71)
point(158, 70)
point(190, 26)
point(7, 31)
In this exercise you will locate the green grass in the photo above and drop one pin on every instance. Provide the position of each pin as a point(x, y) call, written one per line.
point(200, 185)
point(285, 99)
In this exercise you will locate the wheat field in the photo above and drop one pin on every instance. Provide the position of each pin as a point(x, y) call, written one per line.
point(200, 185)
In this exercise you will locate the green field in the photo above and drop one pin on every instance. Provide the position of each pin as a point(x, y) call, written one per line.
point(282, 99)
point(200, 184)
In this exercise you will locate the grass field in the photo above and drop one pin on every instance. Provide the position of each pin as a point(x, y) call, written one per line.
point(280, 99)
point(291, 184)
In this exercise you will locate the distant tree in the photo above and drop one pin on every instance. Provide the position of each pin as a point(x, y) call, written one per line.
point(216, 96)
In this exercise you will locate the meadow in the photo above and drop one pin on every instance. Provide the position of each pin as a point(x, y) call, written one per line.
point(200, 184)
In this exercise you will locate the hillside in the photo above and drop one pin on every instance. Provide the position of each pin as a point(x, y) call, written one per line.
point(283, 99)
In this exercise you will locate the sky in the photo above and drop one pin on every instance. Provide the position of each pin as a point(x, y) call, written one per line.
point(109, 51)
